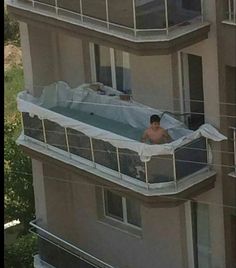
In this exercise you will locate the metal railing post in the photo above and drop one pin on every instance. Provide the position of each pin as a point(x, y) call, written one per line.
point(174, 170)
point(33, 3)
point(134, 18)
point(208, 153)
point(229, 10)
point(107, 15)
point(67, 142)
point(146, 175)
point(56, 6)
point(166, 17)
point(118, 161)
point(92, 151)
point(81, 11)
point(44, 134)
point(22, 124)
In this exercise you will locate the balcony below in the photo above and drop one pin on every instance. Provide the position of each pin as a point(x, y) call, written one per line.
point(76, 128)
point(157, 27)
point(56, 252)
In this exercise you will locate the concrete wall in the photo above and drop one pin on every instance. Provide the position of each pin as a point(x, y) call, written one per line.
point(39, 192)
point(151, 80)
point(70, 57)
point(72, 214)
point(49, 56)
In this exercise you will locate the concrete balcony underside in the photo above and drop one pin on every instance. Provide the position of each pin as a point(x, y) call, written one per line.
point(178, 38)
point(188, 187)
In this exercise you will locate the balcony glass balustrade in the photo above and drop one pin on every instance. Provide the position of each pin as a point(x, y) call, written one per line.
point(111, 145)
point(136, 18)
point(231, 11)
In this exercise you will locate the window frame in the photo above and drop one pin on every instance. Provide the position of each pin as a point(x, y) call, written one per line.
point(125, 56)
point(191, 216)
point(124, 211)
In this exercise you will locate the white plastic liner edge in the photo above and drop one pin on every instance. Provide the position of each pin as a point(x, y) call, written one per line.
point(63, 95)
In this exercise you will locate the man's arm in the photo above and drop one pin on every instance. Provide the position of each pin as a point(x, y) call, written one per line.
point(145, 136)
point(166, 136)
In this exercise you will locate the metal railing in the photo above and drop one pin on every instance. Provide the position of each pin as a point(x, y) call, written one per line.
point(123, 164)
point(231, 11)
point(146, 20)
point(66, 246)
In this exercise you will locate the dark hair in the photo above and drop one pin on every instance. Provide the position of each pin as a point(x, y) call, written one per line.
point(155, 118)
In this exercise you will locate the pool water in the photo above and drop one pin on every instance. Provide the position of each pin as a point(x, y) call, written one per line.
point(101, 122)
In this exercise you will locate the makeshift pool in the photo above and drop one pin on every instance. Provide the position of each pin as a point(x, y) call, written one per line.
point(99, 129)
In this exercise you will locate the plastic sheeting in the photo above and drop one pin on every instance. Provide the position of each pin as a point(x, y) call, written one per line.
point(107, 103)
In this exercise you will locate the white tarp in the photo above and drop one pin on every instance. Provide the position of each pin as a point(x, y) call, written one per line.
point(110, 106)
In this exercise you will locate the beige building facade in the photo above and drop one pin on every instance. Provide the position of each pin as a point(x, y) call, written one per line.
point(175, 56)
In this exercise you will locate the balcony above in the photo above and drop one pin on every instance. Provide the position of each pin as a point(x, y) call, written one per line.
point(230, 14)
point(99, 135)
point(155, 27)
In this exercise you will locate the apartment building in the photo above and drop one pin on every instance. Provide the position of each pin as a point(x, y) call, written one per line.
point(94, 69)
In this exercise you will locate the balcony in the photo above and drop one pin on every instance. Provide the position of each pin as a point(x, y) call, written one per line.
point(54, 250)
point(99, 133)
point(230, 14)
point(163, 25)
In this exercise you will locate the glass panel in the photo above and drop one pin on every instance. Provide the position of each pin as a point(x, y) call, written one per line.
point(55, 135)
point(180, 11)
point(29, 2)
point(121, 14)
point(131, 165)
point(59, 256)
point(118, 29)
point(160, 169)
point(150, 14)
point(46, 5)
point(48, 2)
point(103, 65)
point(105, 154)
point(79, 144)
point(123, 78)
point(94, 8)
point(133, 212)
point(72, 5)
point(194, 5)
point(191, 158)
point(33, 127)
point(113, 205)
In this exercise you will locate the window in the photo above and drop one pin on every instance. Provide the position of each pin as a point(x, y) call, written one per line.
point(122, 209)
point(201, 235)
point(192, 90)
point(198, 235)
point(112, 68)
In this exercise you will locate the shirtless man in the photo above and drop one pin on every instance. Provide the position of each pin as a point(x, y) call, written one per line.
point(155, 134)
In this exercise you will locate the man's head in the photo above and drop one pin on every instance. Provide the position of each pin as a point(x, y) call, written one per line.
point(155, 120)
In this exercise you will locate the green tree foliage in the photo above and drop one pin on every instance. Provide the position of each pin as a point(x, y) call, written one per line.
point(19, 196)
point(13, 83)
point(11, 29)
point(20, 254)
